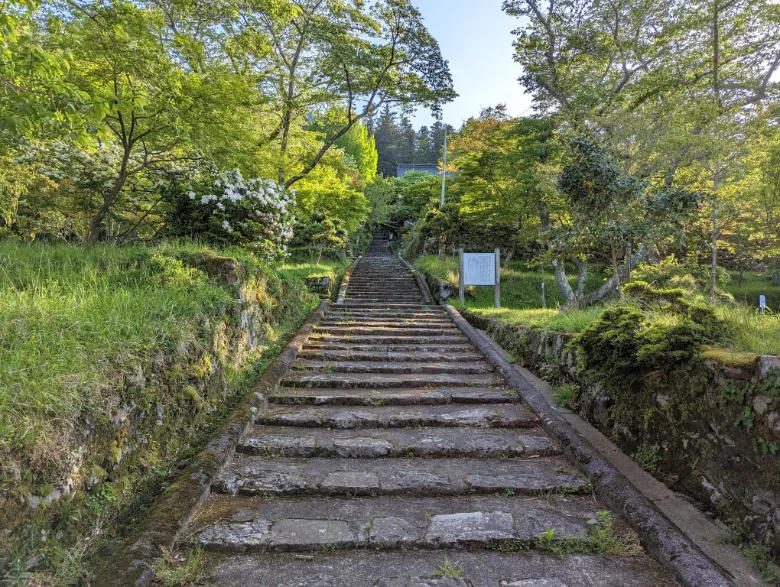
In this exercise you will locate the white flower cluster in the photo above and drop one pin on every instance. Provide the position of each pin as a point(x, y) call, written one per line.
point(256, 212)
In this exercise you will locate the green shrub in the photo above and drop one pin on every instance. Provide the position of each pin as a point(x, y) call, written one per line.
point(565, 396)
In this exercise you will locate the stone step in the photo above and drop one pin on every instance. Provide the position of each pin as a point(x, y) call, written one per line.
point(393, 397)
point(395, 340)
point(448, 415)
point(334, 313)
point(494, 443)
point(252, 475)
point(445, 329)
point(379, 366)
point(399, 357)
point(396, 322)
point(385, 380)
point(312, 524)
point(365, 305)
point(482, 567)
point(316, 346)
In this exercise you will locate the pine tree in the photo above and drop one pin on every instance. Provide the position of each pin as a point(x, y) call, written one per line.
point(387, 135)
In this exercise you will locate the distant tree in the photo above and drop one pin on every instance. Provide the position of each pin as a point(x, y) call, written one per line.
point(387, 137)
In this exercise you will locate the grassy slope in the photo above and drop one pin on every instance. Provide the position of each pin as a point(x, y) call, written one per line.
point(75, 318)
point(521, 304)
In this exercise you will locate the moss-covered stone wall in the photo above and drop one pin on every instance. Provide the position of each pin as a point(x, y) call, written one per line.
point(157, 413)
point(710, 428)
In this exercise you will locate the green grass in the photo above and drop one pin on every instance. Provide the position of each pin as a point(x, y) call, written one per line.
point(754, 285)
point(521, 283)
point(76, 318)
point(305, 270)
point(750, 332)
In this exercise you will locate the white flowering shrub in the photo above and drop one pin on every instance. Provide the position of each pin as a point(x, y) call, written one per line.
point(255, 213)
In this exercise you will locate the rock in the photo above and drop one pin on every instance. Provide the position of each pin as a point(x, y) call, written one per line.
point(761, 404)
point(715, 496)
point(351, 480)
point(286, 534)
point(470, 527)
point(423, 582)
point(319, 285)
point(392, 531)
point(773, 419)
point(763, 502)
point(534, 583)
point(765, 364)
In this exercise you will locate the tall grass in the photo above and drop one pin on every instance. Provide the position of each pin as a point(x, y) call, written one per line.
point(73, 319)
point(750, 330)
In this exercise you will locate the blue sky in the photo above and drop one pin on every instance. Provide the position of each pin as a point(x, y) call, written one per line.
point(476, 38)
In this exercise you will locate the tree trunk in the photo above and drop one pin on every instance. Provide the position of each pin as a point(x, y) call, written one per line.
point(442, 250)
point(628, 264)
point(616, 271)
point(508, 258)
point(611, 283)
point(109, 200)
point(559, 271)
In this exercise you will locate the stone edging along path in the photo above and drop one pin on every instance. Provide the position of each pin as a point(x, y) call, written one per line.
point(133, 564)
point(658, 535)
point(165, 522)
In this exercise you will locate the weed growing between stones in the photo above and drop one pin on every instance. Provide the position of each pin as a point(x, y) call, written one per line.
point(565, 396)
point(176, 569)
point(448, 569)
point(647, 457)
point(602, 538)
point(759, 555)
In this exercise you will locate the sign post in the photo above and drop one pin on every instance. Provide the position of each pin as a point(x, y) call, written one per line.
point(497, 287)
point(762, 303)
point(479, 269)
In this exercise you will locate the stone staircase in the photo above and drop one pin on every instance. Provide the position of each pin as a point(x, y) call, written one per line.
point(393, 455)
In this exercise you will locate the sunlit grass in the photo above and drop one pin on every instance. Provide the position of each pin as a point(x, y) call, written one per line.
point(75, 319)
point(750, 330)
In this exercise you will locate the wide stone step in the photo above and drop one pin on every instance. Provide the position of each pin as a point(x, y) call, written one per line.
point(384, 315)
point(378, 567)
point(381, 339)
point(252, 475)
point(385, 380)
point(393, 397)
point(397, 322)
point(443, 329)
point(312, 524)
point(317, 346)
point(399, 357)
point(364, 305)
point(490, 416)
point(279, 441)
point(464, 367)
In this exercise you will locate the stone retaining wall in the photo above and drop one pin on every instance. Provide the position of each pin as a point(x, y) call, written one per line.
point(709, 429)
point(157, 411)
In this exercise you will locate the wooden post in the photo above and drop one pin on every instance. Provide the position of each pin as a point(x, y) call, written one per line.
point(461, 284)
point(498, 278)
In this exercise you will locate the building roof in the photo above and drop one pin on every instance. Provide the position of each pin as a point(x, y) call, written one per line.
point(432, 168)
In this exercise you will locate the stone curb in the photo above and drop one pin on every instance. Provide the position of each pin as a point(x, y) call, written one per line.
point(658, 535)
point(345, 281)
point(426, 291)
point(133, 564)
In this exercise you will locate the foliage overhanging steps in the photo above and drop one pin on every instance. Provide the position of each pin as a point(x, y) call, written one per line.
point(393, 455)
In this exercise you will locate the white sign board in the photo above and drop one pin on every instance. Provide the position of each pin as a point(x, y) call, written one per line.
point(479, 269)
point(762, 302)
